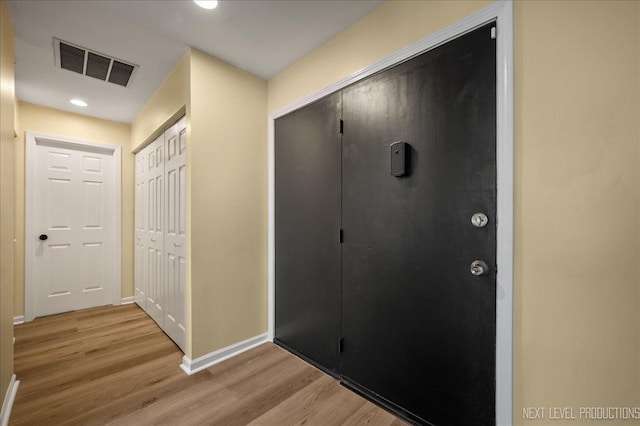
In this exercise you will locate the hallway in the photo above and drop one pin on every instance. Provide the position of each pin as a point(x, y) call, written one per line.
point(113, 365)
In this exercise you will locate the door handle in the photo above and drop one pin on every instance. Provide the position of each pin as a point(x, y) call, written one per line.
point(479, 267)
point(43, 237)
point(176, 245)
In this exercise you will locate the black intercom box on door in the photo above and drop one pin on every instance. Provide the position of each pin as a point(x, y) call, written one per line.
point(398, 158)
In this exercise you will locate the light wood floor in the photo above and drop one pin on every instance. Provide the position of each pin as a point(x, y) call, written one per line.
point(113, 365)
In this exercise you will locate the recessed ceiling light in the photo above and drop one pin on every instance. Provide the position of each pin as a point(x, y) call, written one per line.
point(78, 102)
point(207, 4)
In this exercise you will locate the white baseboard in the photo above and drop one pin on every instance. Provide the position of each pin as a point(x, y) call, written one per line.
point(193, 366)
point(7, 405)
point(18, 320)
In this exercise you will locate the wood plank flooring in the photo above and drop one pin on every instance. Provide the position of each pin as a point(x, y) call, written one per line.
point(113, 365)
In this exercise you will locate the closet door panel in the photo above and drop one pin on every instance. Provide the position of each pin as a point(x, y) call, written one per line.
point(140, 276)
point(307, 221)
point(175, 172)
point(154, 304)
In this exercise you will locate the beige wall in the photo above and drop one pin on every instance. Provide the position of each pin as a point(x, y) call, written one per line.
point(34, 118)
point(228, 170)
point(577, 303)
point(167, 102)
point(7, 197)
point(226, 195)
point(577, 191)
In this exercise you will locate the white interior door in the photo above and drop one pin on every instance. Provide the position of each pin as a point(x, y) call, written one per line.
point(73, 227)
point(154, 304)
point(175, 171)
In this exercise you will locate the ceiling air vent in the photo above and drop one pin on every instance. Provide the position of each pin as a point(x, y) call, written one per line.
point(87, 62)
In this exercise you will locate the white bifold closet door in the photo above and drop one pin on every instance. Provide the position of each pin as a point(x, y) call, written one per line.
point(160, 230)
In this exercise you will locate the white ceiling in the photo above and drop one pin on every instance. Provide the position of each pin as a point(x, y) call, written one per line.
point(262, 37)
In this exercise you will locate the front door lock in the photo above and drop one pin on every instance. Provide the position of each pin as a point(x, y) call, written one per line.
point(479, 220)
point(479, 267)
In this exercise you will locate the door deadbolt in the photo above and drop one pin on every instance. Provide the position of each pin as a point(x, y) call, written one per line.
point(43, 237)
point(479, 267)
point(479, 220)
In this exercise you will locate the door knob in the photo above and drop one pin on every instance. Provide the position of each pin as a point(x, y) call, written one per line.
point(43, 237)
point(479, 267)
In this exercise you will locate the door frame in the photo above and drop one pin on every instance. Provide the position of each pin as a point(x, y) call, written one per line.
point(502, 12)
point(31, 141)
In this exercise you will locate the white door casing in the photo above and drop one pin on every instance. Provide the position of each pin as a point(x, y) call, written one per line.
point(175, 263)
point(72, 197)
